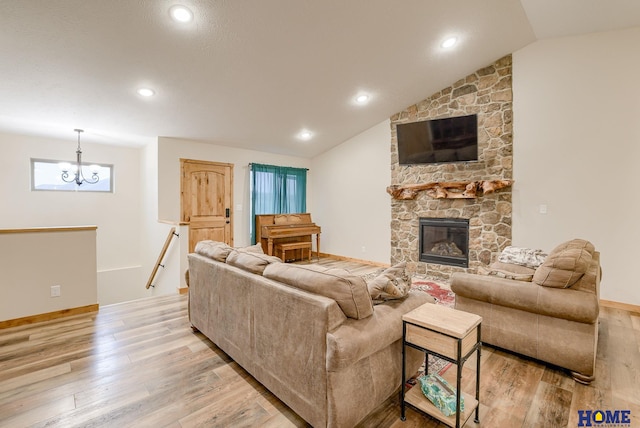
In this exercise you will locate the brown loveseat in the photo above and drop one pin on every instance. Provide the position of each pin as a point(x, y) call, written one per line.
point(331, 359)
point(552, 317)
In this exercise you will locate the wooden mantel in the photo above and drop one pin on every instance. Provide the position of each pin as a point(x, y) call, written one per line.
point(448, 190)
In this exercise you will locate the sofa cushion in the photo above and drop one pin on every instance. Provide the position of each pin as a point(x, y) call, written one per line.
point(565, 265)
point(349, 291)
point(251, 261)
point(257, 248)
point(527, 257)
point(568, 304)
point(392, 283)
point(213, 249)
point(219, 251)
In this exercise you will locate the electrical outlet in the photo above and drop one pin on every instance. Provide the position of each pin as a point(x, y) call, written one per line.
point(55, 291)
point(364, 249)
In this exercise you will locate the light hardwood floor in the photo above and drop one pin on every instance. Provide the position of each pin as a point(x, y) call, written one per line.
point(139, 364)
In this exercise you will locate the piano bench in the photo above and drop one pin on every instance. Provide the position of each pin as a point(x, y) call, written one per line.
point(281, 249)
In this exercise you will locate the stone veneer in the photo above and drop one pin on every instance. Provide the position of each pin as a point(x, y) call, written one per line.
point(488, 93)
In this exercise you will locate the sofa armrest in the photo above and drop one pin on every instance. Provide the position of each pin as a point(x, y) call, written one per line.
point(357, 339)
point(573, 305)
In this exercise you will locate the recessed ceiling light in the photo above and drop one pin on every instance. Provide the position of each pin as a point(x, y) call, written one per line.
point(146, 92)
point(180, 13)
point(305, 135)
point(362, 99)
point(449, 42)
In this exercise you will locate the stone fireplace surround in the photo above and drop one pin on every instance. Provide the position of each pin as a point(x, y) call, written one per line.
point(488, 93)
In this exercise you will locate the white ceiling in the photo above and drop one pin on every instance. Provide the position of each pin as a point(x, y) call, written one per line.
point(253, 73)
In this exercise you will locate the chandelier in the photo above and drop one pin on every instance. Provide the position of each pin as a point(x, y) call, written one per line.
point(73, 173)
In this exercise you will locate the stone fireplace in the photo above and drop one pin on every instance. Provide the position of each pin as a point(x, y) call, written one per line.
point(487, 93)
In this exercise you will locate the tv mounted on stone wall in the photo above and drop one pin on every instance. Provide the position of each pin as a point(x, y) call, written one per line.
point(451, 139)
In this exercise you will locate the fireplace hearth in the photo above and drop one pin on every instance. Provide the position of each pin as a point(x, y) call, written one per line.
point(444, 241)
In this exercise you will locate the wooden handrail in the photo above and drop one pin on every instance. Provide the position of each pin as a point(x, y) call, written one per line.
point(170, 236)
point(49, 229)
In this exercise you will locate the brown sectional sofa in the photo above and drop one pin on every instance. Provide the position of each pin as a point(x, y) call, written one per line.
point(331, 359)
point(549, 313)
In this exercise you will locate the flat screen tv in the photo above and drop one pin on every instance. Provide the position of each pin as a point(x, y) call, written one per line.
point(452, 139)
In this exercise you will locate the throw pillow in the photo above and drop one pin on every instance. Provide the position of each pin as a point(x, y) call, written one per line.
point(251, 261)
point(509, 275)
point(213, 249)
point(565, 265)
point(522, 256)
point(392, 283)
point(509, 271)
point(576, 243)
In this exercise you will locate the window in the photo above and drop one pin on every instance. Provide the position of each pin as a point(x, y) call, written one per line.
point(47, 175)
point(277, 190)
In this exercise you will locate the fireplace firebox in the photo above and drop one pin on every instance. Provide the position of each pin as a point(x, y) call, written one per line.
point(444, 241)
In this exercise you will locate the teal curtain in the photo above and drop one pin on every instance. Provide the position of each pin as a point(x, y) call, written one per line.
point(276, 190)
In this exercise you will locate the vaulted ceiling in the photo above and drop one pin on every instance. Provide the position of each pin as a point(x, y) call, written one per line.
point(255, 73)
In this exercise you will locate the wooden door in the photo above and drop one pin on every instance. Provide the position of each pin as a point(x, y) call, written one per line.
point(206, 200)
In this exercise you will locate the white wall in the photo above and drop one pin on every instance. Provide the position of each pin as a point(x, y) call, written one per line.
point(117, 214)
point(576, 150)
point(350, 202)
point(154, 233)
point(171, 150)
point(31, 262)
point(133, 222)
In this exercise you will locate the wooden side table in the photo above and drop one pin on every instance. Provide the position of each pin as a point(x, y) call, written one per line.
point(448, 334)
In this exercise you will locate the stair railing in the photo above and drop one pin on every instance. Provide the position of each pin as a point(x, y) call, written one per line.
point(159, 264)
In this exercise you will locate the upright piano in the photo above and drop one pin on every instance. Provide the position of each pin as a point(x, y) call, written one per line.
point(283, 228)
